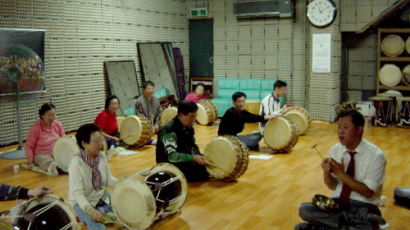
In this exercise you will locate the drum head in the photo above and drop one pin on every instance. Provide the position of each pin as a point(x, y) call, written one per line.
point(56, 216)
point(299, 119)
point(64, 150)
point(133, 202)
point(279, 133)
point(223, 154)
point(131, 130)
point(406, 74)
point(392, 45)
point(408, 45)
point(390, 75)
point(299, 116)
point(202, 115)
point(172, 196)
point(168, 114)
point(120, 119)
point(380, 98)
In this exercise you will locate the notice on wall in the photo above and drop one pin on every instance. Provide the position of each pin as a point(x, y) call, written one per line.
point(321, 52)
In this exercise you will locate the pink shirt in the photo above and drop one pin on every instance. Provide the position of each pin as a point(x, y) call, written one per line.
point(41, 139)
point(192, 97)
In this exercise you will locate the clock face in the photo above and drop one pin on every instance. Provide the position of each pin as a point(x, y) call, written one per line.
point(321, 13)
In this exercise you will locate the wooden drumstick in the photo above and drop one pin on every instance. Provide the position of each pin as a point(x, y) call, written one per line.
point(122, 138)
point(314, 147)
point(212, 165)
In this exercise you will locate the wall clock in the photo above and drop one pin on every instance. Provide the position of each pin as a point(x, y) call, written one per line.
point(321, 13)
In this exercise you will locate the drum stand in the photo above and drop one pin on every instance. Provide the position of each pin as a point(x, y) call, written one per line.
point(382, 118)
point(19, 151)
point(403, 121)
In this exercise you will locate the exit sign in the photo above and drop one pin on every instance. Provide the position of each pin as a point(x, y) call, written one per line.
point(199, 12)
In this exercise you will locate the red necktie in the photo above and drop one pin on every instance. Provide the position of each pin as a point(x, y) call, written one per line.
point(346, 190)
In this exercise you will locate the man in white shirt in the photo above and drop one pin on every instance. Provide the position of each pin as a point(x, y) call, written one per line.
point(355, 171)
point(271, 105)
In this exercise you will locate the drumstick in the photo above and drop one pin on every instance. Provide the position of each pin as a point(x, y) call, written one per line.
point(212, 165)
point(314, 147)
point(122, 138)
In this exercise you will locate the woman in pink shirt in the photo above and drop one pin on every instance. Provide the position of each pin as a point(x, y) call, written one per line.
point(197, 95)
point(41, 138)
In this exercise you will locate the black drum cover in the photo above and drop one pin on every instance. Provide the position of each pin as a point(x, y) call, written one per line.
point(402, 196)
point(164, 194)
point(53, 218)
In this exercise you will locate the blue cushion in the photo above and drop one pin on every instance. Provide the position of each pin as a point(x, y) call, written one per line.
point(226, 93)
point(130, 110)
point(228, 83)
point(252, 87)
point(267, 84)
point(222, 104)
point(252, 94)
point(249, 83)
point(161, 93)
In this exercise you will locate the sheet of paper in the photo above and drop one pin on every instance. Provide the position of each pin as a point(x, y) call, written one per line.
point(261, 157)
point(127, 152)
point(321, 52)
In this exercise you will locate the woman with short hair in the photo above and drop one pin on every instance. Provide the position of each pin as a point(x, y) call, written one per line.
point(107, 121)
point(41, 139)
point(89, 177)
point(197, 95)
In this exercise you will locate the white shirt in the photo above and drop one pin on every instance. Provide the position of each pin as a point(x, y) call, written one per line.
point(81, 190)
point(269, 106)
point(370, 164)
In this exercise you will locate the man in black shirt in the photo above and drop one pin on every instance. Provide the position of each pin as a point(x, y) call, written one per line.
point(235, 118)
point(176, 144)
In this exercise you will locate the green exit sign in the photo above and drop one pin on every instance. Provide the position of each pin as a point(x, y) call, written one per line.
point(199, 12)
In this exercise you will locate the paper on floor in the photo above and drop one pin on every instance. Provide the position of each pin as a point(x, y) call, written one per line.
point(261, 157)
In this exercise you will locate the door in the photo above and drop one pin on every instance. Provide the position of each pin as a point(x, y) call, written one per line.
point(201, 47)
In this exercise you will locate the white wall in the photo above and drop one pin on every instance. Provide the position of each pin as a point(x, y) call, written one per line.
point(81, 35)
point(357, 14)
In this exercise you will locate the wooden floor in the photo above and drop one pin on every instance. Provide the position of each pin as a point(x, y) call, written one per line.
point(268, 195)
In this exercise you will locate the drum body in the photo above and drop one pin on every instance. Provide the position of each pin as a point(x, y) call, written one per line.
point(136, 130)
point(140, 199)
point(206, 114)
point(404, 111)
point(280, 134)
point(299, 116)
point(64, 150)
point(392, 45)
point(228, 156)
point(168, 114)
point(48, 212)
point(390, 75)
point(253, 105)
point(383, 108)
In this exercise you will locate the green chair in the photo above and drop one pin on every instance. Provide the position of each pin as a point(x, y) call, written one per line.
point(254, 88)
point(223, 99)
